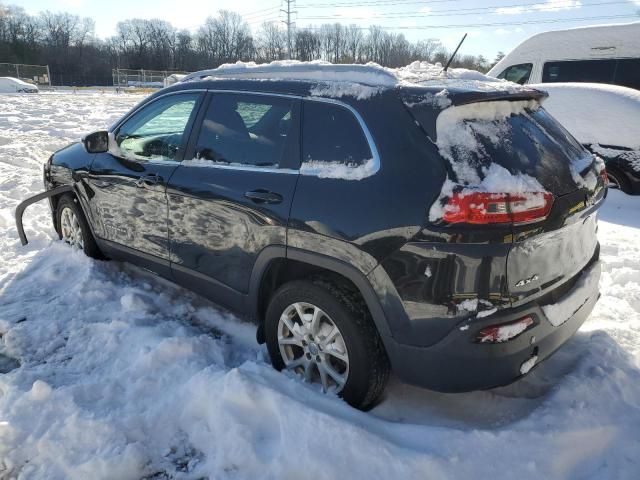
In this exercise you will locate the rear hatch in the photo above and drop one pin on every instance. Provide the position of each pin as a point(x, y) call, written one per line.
point(518, 169)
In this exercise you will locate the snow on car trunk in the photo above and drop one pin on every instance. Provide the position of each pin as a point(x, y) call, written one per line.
point(122, 375)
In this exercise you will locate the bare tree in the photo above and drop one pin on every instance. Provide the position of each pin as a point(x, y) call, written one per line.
point(353, 43)
point(271, 43)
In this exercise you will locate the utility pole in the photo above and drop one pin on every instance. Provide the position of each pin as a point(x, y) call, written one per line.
point(289, 24)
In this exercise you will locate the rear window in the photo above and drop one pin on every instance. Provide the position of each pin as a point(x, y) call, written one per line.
point(519, 136)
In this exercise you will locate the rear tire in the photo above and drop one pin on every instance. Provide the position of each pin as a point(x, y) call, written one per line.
point(73, 228)
point(352, 351)
point(618, 181)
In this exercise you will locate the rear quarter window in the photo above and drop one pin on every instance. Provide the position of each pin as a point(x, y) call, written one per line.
point(334, 143)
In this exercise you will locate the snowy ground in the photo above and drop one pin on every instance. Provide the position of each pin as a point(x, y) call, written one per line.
point(124, 376)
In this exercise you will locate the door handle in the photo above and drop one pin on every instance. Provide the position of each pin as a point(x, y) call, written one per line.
point(148, 180)
point(263, 196)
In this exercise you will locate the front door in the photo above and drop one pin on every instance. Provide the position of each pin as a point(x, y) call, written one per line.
point(232, 198)
point(127, 185)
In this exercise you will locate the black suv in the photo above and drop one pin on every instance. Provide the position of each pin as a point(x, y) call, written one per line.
point(311, 211)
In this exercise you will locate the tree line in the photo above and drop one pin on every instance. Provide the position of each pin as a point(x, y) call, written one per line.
point(68, 44)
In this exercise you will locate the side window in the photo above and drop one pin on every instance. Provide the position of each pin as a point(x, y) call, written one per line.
point(246, 129)
point(332, 134)
point(598, 71)
point(628, 73)
point(157, 131)
point(517, 73)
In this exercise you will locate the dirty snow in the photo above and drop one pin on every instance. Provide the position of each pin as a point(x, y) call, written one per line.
point(124, 376)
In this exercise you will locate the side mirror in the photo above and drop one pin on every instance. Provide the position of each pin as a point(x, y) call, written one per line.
point(96, 142)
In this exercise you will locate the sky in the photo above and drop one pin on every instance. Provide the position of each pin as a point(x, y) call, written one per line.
point(492, 25)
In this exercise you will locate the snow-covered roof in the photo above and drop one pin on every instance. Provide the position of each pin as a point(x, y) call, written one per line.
point(595, 112)
point(597, 41)
point(371, 74)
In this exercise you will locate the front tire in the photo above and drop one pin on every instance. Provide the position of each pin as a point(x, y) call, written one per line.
point(73, 228)
point(325, 334)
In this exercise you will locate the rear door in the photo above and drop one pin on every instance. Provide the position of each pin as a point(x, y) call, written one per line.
point(128, 183)
point(232, 198)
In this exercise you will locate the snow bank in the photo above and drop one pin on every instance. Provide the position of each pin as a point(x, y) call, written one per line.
point(596, 113)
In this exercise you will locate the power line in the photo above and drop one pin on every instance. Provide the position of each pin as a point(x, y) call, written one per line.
point(495, 24)
point(449, 12)
point(249, 14)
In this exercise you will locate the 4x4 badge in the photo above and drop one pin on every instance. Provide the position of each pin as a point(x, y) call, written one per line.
point(527, 281)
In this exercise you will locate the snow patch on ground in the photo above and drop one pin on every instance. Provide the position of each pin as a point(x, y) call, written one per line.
point(123, 375)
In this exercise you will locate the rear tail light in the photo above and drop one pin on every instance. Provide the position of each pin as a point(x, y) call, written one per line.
point(603, 175)
point(487, 207)
point(504, 332)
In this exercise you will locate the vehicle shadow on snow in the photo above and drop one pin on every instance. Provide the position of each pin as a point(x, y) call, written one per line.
point(486, 409)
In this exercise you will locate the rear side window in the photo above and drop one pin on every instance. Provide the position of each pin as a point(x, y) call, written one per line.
point(597, 71)
point(517, 73)
point(332, 134)
point(255, 130)
point(628, 73)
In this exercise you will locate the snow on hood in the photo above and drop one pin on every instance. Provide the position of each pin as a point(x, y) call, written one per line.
point(596, 113)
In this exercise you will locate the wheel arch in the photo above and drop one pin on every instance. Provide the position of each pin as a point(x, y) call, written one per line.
point(277, 265)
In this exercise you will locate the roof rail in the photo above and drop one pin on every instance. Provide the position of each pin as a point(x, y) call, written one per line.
point(373, 75)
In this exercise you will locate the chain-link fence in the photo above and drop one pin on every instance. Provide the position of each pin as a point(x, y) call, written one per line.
point(141, 78)
point(38, 74)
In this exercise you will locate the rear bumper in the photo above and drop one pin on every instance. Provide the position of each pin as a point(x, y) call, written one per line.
point(457, 363)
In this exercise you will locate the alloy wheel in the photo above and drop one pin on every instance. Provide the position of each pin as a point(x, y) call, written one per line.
point(312, 345)
point(71, 229)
